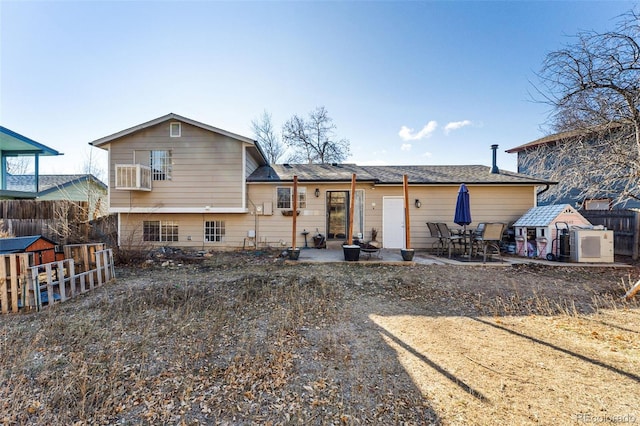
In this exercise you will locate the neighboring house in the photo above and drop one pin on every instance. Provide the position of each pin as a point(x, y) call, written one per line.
point(175, 181)
point(547, 153)
point(23, 154)
point(80, 187)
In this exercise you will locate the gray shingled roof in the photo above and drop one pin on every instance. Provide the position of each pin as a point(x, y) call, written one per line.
point(48, 183)
point(390, 175)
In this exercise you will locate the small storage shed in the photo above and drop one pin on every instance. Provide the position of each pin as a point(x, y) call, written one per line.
point(539, 230)
point(43, 249)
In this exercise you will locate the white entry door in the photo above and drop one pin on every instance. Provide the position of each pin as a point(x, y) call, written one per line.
point(393, 222)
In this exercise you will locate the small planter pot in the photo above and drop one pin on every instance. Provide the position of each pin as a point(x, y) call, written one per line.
point(351, 253)
point(294, 253)
point(407, 254)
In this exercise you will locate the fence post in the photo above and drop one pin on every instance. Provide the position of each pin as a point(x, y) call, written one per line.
point(99, 269)
point(49, 274)
point(72, 277)
point(4, 299)
point(62, 287)
point(36, 287)
point(111, 264)
point(14, 283)
point(636, 236)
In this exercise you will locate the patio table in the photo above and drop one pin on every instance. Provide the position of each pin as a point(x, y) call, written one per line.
point(466, 238)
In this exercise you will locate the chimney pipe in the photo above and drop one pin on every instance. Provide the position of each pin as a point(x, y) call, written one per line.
point(494, 167)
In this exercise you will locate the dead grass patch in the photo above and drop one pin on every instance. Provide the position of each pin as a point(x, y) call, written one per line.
point(245, 339)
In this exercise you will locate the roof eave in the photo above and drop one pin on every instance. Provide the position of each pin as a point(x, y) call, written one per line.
point(40, 148)
point(171, 116)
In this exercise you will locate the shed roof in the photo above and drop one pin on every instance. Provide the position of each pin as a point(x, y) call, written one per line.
point(19, 244)
point(544, 215)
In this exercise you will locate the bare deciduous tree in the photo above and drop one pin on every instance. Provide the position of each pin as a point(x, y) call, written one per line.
point(20, 165)
point(593, 86)
point(314, 140)
point(268, 139)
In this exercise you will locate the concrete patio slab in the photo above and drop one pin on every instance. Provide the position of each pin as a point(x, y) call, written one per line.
point(423, 257)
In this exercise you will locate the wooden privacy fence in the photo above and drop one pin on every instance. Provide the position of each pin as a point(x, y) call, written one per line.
point(59, 220)
point(625, 225)
point(24, 286)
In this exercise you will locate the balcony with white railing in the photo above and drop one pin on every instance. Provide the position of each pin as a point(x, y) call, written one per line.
point(133, 177)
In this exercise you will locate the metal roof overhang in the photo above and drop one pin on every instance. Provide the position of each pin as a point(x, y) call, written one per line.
point(12, 142)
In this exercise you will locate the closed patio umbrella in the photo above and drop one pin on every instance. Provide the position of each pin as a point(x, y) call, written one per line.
point(462, 215)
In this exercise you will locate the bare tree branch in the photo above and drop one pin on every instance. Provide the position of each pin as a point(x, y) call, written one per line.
point(314, 140)
point(593, 87)
point(268, 139)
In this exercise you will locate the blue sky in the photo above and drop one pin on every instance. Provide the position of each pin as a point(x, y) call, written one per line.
point(406, 82)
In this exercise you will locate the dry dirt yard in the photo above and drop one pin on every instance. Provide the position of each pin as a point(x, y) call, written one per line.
point(241, 338)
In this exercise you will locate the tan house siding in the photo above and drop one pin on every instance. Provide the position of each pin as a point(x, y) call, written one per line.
point(204, 171)
point(190, 229)
point(251, 163)
point(488, 204)
point(272, 229)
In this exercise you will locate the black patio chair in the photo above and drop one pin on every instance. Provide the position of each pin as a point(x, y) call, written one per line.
point(450, 240)
point(438, 244)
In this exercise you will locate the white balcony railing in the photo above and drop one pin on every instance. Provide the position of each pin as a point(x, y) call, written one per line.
point(133, 177)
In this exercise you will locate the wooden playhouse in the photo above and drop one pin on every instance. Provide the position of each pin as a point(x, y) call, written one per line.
point(542, 231)
point(43, 249)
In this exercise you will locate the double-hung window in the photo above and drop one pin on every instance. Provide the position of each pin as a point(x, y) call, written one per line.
point(285, 198)
point(160, 163)
point(160, 230)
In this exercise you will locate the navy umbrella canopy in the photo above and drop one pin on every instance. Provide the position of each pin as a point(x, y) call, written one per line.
point(462, 215)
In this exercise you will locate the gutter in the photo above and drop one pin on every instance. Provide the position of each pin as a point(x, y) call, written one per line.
point(542, 191)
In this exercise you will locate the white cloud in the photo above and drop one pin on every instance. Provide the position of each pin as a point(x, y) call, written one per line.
point(455, 125)
point(408, 134)
point(405, 147)
point(427, 155)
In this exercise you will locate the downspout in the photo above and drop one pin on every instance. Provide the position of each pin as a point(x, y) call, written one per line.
point(542, 191)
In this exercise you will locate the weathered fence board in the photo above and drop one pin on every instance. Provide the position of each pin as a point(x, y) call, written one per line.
point(13, 270)
point(84, 255)
point(22, 285)
point(63, 221)
point(61, 277)
point(625, 225)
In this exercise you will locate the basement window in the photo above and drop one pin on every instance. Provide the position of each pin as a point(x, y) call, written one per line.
point(160, 230)
point(214, 230)
point(175, 129)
